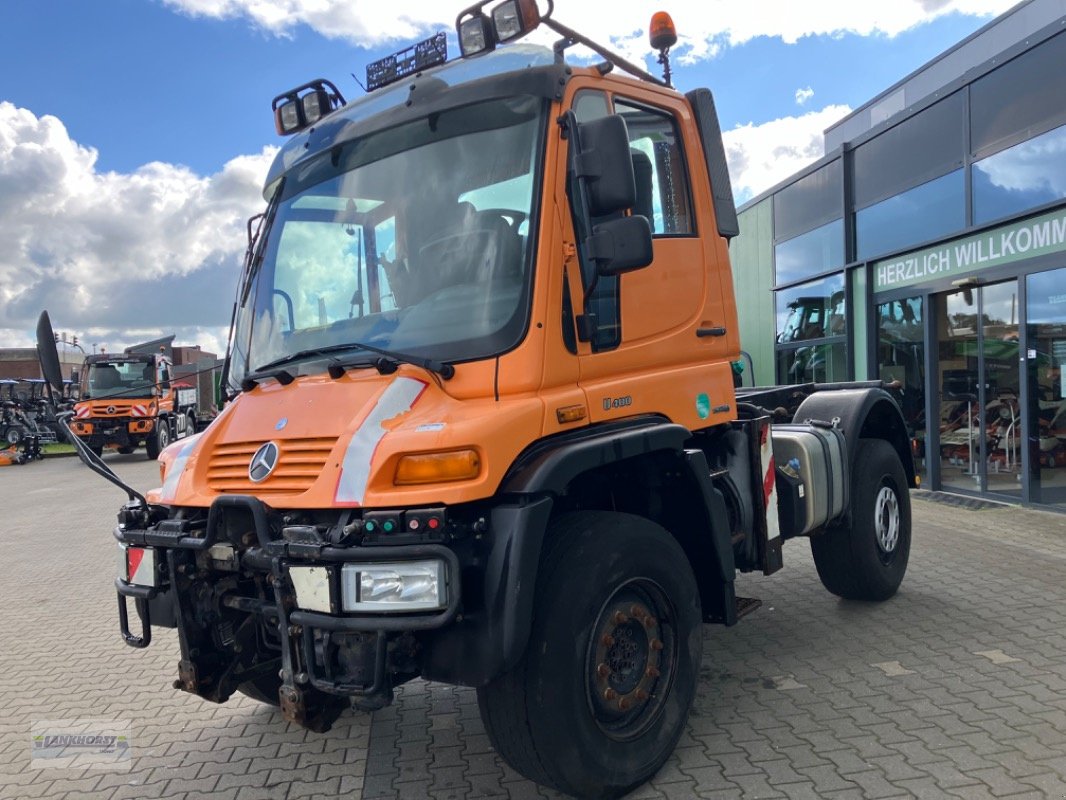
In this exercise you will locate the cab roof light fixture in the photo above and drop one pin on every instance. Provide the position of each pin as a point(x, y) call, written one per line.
point(475, 35)
point(480, 31)
point(513, 19)
point(305, 105)
point(409, 61)
point(662, 35)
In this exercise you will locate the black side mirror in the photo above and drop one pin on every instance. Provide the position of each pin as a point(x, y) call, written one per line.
point(47, 353)
point(621, 245)
point(606, 164)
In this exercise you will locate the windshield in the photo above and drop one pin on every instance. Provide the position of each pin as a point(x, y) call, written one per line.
point(118, 379)
point(416, 240)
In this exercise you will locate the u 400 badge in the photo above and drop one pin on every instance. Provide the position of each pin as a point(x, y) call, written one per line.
point(617, 402)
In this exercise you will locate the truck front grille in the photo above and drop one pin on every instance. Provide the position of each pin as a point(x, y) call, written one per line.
point(300, 462)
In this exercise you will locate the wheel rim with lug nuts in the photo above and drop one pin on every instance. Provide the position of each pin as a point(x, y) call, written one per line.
point(632, 659)
point(886, 520)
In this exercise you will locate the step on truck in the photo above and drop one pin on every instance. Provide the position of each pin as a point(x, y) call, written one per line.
point(482, 423)
point(129, 398)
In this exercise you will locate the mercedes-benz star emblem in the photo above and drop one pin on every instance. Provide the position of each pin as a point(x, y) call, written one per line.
point(110, 409)
point(263, 462)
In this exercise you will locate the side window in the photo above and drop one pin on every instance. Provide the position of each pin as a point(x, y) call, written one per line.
point(590, 105)
point(659, 165)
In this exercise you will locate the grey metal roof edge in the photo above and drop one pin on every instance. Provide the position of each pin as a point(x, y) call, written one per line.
point(936, 59)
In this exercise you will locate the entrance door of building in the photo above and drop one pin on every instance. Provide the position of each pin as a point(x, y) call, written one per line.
point(980, 425)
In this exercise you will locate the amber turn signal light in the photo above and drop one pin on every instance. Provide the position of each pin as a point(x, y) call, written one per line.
point(454, 465)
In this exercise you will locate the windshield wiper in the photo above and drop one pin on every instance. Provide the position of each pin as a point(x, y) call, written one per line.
point(274, 369)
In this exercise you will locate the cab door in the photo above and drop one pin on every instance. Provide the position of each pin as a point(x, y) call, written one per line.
point(661, 339)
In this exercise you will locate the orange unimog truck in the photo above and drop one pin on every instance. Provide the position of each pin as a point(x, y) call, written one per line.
point(127, 399)
point(482, 425)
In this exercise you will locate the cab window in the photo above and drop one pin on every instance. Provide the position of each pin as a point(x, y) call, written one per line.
point(663, 194)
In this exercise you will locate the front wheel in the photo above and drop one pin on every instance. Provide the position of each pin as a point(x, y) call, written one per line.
point(868, 560)
point(264, 689)
point(13, 435)
point(600, 697)
point(158, 439)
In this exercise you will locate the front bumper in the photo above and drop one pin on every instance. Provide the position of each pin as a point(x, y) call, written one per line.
point(308, 640)
point(103, 431)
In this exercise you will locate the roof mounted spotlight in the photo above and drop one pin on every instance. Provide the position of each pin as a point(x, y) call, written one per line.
point(513, 19)
point(305, 105)
point(475, 35)
point(480, 32)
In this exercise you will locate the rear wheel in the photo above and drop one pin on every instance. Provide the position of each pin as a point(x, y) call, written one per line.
point(601, 694)
point(13, 434)
point(868, 560)
point(158, 439)
point(126, 450)
point(96, 449)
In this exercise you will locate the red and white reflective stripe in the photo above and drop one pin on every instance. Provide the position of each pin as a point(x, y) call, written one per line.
point(140, 566)
point(398, 398)
point(81, 412)
point(139, 411)
point(769, 486)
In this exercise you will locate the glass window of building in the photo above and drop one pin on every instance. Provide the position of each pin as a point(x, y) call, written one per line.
point(817, 362)
point(811, 331)
point(810, 202)
point(1021, 177)
point(659, 165)
point(1046, 322)
point(812, 311)
point(922, 147)
point(810, 253)
point(901, 364)
point(1019, 100)
point(809, 225)
point(932, 210)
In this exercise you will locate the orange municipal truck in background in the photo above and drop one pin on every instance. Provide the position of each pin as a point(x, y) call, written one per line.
point(130, 398)
point(483, 425)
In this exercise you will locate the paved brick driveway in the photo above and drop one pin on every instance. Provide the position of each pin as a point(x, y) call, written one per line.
point(956, 687)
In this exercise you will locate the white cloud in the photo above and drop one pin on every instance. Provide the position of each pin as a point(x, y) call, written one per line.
point(704, 28)
point(762, 155)
point(803, 95)
point(157, 249)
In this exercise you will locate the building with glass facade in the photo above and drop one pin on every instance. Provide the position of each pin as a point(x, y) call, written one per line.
point(927, 249)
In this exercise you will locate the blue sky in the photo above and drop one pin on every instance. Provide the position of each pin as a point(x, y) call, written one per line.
point(133, 132)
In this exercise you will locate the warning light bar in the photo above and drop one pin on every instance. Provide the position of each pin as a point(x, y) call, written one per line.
point(418, 57)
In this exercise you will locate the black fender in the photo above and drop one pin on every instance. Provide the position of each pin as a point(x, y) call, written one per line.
point(862, 414)
point(480, 645)
point(485, 643)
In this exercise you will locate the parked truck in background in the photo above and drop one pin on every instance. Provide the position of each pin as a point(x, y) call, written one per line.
point(482, 424)
point(130, 398)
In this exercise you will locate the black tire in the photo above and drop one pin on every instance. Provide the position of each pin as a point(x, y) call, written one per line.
point(158, 439)
point(616, 617)
point(868, 560)
point(126, 450)
point(96, 449)
point(14, 434)
point(264, 689)
point(190, 424)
